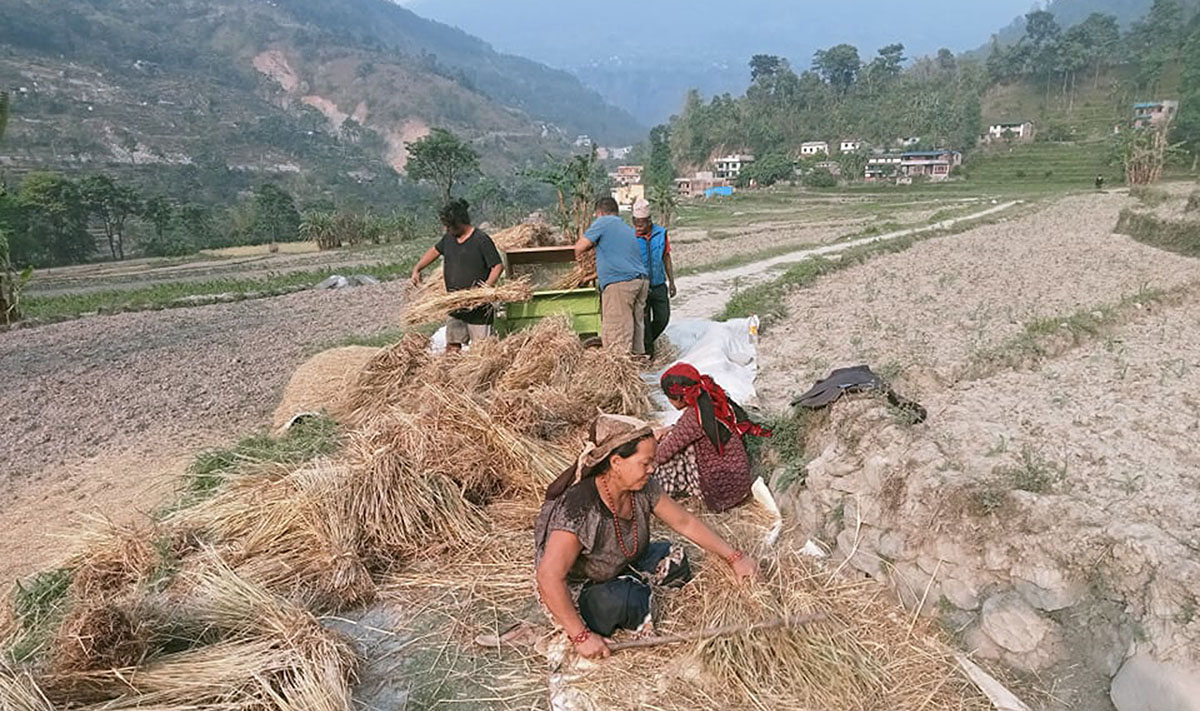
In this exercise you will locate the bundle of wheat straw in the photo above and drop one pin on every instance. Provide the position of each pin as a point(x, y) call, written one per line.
point(272, 654)
point(550, 349)
point(383, 380)
point(453, 434)
point(610, 381)
point(430, 308)
point(293, 536)
point(402, 509)
point(100, 634)
point(581, 275)
point(112, 559)
point(20, 692)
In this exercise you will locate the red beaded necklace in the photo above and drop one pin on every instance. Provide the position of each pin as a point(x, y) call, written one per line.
point(617, 523)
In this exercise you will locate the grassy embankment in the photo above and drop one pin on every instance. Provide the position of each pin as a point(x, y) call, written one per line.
point(61, 307)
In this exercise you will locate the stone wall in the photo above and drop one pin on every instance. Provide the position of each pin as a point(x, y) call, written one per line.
point(1047, 584)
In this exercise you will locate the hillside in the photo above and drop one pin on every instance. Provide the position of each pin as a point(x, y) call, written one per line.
point(645, 56)
point(1070, 12)
point(209, 95)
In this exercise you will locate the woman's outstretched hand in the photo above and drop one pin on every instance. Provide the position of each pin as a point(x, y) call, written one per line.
point(594, 647)
point(745, 569)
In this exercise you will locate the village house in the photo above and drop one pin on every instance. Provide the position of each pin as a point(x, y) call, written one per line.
point(699, 184)
point(908, 142)
point(730, 167)
point(626, 195)
point(883, 166)
point(834, 168)
point(1154, 113)
point(934, 165)
point(813, 148)
point(1011, 130)
point(850, 146)
point(626, 175)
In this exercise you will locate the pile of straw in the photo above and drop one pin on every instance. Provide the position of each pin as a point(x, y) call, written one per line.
point(213, 606)
point(321, 384)
point(292, 536)
point(429, 308)
point(269, 654)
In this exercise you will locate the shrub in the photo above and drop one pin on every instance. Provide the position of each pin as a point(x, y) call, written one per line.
point(820, 178)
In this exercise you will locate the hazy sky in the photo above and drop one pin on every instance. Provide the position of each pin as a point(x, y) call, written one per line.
point(571, 33)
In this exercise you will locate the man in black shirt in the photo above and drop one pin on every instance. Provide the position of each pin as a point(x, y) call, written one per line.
point(470, 259)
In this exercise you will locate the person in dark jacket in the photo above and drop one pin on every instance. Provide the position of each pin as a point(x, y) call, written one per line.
point(704, 453)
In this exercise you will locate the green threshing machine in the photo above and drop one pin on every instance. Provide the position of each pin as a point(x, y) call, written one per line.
point(544, 266)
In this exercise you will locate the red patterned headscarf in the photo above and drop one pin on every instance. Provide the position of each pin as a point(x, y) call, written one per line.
point(720, 416)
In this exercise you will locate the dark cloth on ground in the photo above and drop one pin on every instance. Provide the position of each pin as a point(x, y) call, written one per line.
point(853, 380)
point(723, 474)
point(658, 315)
point(467, 265)
point(582, 512)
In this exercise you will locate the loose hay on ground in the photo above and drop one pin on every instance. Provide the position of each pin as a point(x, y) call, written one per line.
point(865, 655)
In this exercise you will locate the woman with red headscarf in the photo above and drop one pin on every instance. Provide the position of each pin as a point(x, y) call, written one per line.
point(704, 454)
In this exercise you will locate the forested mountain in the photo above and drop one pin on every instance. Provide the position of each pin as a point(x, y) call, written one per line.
point(1071, 12)
point(644, 56)
point(1074, 82)
point(206, 97)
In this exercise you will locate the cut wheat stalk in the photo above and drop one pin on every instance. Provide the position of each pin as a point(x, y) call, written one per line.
point(430, 308)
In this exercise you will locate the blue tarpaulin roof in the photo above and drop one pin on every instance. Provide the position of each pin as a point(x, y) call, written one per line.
point(1147, 105)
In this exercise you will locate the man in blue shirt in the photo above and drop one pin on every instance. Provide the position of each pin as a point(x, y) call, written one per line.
point(622, 277)
point(656, 253)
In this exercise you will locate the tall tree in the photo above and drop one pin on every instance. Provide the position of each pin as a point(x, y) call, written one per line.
point(839, 65)
point(158, 212)
point(660, 172)
point(946, 60)
point(55, 219)
point(113, 204)
point(1186, 127)
point(276, 218)
point(765, 65)
point(443, 159)
point(1099, 36)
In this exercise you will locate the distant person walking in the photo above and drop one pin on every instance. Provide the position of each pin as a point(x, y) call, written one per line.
point(470, 259)
point(656, 253)
point(622, 276)
point(1099, 182)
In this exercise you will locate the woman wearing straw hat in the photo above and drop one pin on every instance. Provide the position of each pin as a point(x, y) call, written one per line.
point(704, 453)
point(596, 566)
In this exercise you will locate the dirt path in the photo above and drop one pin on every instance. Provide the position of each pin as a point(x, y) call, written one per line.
point(703, 295)
point(100, 414)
